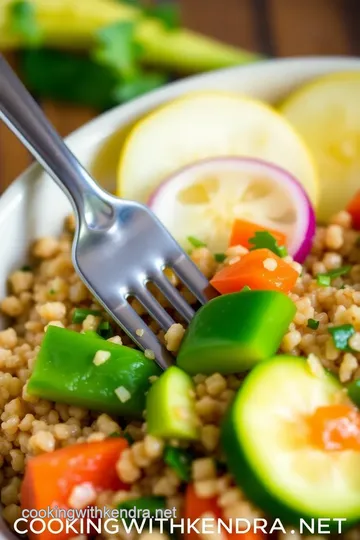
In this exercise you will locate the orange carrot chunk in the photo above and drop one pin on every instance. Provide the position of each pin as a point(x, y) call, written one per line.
point(260, 269)
point(354, 210)
point(335, 427)
point(51, 478)
point(243, 230)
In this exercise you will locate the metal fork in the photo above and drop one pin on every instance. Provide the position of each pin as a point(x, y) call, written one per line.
point(119, 246)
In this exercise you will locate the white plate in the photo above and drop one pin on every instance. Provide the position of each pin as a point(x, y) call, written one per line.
point(34, 206)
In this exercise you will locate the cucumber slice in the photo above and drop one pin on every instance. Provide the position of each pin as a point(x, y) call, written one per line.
point(170, 406)
point(354, 392)
point(268, 451)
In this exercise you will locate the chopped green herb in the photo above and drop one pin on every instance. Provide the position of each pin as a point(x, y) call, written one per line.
point(139, 84)
point(180, 461)
point(80, 314)
point(263, 239)
point(313, 324)
point(52, 291)
point(22, 19)
point(167, 13)
point(124, 435)
point(246, 288)
point(341, 336)
point(26, 268)
point(105, 330)
point(116, 48)
point(323, 280)
point(326, 278)
point(220, 257)
point(195, 242)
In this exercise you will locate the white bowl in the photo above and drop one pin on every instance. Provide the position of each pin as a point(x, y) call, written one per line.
point(34, 206)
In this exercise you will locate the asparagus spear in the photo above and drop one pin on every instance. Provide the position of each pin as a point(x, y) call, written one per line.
point(73, 24)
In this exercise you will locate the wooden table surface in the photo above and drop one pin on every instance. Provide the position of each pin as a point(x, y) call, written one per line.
point(273, 27)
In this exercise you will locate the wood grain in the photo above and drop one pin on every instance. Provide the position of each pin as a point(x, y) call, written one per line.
point(272, 27)
point(14, 158)
point(308, 27)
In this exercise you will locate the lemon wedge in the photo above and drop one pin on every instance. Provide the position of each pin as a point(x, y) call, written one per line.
point(205, 125)
point(326, 113)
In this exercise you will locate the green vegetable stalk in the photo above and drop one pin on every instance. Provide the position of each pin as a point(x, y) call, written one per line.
point(176, 49)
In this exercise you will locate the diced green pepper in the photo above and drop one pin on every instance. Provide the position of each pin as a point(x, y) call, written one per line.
point(341, 335)
point(354, 392)
point(233, 332)
point(64, 371)
point(170, 406)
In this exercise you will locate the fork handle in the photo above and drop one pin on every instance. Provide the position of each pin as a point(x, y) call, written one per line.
point(25, 118)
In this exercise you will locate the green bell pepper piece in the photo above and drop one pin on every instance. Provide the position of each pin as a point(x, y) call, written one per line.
point(233, 332)
point(170, 406)
point(64, 371)
point(354, 392)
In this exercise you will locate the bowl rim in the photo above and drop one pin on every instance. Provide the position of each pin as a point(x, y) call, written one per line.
point(117, 115)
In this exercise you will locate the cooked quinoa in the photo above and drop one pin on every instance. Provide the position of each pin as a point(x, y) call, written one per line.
point(48, 294)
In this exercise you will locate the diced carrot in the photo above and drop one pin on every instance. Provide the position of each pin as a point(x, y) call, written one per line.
point(195, 507)
point(198, 507)
point(50, 478)
point(259, 269)
point(354, 210)
point(243, 230)
point(335, 427)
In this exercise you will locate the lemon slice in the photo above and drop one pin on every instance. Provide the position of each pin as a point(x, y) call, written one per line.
point(326, 113)
point(204, 125)
point(204, 200)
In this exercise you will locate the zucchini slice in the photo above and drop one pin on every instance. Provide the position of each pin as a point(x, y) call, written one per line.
point(266, 443)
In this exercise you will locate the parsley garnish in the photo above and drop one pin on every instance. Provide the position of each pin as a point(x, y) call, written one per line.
point(341, 336)
point(313, 324)
point(116, 48)
point(195, 242)
point(263, 239)
point(22, 17)
point(219, 257)
point(26, 268)
point(326, 278)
